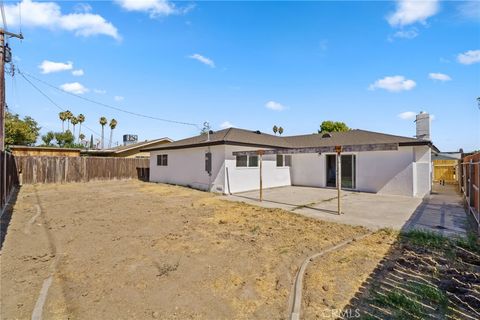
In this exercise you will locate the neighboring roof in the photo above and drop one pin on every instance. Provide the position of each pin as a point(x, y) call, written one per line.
point(15, 147)
point(242, 137)
point(138, 145)
point(447, 156)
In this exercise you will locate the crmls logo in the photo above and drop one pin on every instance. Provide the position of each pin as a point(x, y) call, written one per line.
point(339, 313)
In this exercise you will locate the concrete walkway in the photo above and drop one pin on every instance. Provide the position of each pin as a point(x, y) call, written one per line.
point(441, 212)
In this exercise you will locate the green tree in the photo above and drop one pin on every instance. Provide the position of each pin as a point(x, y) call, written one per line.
point(103, 121)
point(81, 119)
point(68, 116)
point(280, 130)
point(113, 125)
point(63, 116)
point(81, 136)
point(64, 139)
point(48, 138)
point(74, 122)
point(20, 132)
point(333, 126)
point(275, 129)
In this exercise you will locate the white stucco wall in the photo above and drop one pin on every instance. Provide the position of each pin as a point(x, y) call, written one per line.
point(186, 167)
point(423, 171)
point(308, 170)
point(385, 172)
point(248, 178)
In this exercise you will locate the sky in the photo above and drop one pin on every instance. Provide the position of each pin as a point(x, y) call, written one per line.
point(252, 65)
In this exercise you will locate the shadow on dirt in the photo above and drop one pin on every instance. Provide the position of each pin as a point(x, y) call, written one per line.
point(7, 216)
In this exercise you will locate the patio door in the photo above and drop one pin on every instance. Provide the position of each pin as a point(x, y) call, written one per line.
point(348, 170)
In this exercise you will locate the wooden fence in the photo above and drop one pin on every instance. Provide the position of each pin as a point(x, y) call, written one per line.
point(8, 177)
point(42, 169)
point(470, 185)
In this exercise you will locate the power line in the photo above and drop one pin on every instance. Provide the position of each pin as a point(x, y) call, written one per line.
point(53, 102)
point(107, 105)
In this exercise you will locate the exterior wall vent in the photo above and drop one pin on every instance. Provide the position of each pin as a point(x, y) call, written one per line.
point(258, 132)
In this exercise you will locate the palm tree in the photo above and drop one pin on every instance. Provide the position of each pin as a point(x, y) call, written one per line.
point(81, 136)
point(275, 129)
point(68, 115)
point(74, 122)
point(63, 116)
point(103, 122)
point(280, 131)
point(113, 124)
point(81, 119)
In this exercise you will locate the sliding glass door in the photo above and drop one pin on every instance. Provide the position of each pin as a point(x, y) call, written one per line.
point(348, 170)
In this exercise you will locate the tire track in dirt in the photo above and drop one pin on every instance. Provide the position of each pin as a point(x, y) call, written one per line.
point(30, 222)
point(42, 298)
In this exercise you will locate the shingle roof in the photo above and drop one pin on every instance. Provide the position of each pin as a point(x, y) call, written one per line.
point(235, 136)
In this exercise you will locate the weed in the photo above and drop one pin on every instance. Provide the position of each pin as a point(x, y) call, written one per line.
point(429, 292)
point(255, 229)
point(426, 238)
point(401, 303)
point(469, 243)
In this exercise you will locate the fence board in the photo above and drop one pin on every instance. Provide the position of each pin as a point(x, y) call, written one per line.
point(44, 169)
point(8, 177)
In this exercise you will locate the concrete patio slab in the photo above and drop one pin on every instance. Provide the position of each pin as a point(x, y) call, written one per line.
point(441, 212)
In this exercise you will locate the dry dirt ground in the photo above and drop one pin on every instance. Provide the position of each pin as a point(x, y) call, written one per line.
point(134, 250)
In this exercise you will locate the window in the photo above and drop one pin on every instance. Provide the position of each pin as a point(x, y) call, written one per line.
point(253, 161)
point(247, 161)
point(279, 160)
point(284, 160)
point(162, 160)
point(288, 161)
point(241, 161)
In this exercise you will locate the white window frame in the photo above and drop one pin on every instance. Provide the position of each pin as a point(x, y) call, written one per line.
point(283, 162)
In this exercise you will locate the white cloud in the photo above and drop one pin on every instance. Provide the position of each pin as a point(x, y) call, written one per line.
point(50, 66)
point(469, 57)
point(154, 8)
point(393, 84)
point(412, 11)
point(202, 59)
point(82, 7)
point(118, 98)
point(226, 124)
point(49, 15)
point(78, 72)
point(469, 9)
point(406, 34)
point(273, 105)
point(74, 87)
point(407, 115)
point(439, 76)
point(100, 91)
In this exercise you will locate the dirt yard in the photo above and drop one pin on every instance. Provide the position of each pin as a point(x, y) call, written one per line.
point(124, 250)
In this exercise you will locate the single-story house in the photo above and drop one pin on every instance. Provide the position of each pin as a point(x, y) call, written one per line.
point(133, 150)
point(207, 162)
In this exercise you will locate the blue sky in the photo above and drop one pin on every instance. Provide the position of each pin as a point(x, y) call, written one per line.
point(252, 65)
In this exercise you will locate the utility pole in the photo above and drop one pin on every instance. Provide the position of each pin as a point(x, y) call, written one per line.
point(4, 57)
